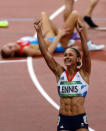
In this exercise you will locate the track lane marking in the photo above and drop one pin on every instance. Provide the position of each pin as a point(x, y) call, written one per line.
point(12, 61)
point(37, 84)
point(32, 19)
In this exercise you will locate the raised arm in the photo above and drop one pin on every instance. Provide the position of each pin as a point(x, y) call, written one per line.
point(53, 65)
point(86, 60)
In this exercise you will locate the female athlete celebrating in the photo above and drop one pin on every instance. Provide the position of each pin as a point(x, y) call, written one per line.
point(72, 82)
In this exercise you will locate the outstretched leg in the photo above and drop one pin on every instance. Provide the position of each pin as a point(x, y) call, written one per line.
point(70, 24)
point(88, 15)
point(91, 7)
point(48, 28)
point(68, 8)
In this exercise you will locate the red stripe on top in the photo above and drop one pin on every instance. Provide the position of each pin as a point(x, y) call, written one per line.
point(22, 45)
point(72, 76)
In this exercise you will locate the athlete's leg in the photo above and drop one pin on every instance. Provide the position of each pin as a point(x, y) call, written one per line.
point(68, 8)
point(54, 28)
point(70, 24)
point(88, 15)
point(91, 7)
point(47, 26)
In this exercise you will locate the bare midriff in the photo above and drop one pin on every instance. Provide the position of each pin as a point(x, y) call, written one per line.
point(71, 106)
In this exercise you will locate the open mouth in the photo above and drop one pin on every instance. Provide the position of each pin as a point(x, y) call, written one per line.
point(67, 61)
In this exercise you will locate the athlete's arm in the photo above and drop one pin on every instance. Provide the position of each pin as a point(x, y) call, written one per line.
point(53, 65)
point(86, 60)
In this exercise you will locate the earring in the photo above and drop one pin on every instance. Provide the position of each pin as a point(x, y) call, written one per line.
point(78, 63)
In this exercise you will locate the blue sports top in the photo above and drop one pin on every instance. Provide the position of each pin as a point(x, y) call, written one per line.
point(74, 87)
point(34, 41)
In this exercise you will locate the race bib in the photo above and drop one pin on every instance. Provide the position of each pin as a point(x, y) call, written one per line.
point(70, 88)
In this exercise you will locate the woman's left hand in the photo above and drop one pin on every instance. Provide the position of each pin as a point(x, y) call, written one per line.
point(80, 25)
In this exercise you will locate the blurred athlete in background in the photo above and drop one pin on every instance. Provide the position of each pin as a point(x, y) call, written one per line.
point(88, 15)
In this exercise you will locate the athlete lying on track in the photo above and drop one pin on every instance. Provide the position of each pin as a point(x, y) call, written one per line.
point(53, 37)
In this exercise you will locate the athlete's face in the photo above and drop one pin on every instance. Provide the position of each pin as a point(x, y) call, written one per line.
point(10, 49)
point(70, 57)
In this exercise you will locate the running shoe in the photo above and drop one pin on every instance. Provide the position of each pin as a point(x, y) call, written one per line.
point(90, 22)
point(94, 47)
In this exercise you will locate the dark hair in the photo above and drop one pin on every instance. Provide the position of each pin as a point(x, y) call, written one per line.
point(7, 55)
point(77, 52)
point(78, 55)
point(4, 55)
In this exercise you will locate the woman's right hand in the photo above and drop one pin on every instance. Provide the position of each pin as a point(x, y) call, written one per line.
point(37, 25)
point(80, 26)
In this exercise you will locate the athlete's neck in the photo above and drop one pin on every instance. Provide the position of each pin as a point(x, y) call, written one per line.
point(71, 71)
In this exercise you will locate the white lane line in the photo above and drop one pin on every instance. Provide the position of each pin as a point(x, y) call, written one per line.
point(37, 84)
point(40, 88)
point(18, 19)
point(13, 61)
point(32, 19)
point(57, 12)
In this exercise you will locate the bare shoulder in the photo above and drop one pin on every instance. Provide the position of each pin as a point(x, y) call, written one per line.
point(84, 75)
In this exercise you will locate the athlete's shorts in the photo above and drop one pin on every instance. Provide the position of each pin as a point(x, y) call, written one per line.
point(72, 123)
